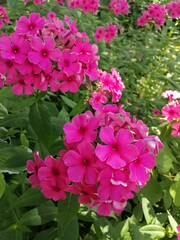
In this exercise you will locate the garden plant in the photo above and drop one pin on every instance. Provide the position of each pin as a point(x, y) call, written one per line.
point(89, 119)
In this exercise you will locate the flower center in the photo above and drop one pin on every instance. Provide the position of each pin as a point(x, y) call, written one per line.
point(55, 171)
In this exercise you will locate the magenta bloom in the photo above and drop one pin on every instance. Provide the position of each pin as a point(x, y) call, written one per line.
point(52, 169)
point(54, 188)
point(69, 63)
point(31, 25)
point(178, 229)
point(14, 47)
point(20, 85)
point(33, 168)
point(118, 150)
point(82, 165)
point(43, 52)
point(176, 129)
point(83, 127)
point(140, 168)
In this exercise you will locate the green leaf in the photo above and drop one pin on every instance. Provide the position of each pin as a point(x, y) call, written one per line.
point(72, 232)
point(40, 121)
point(154, 231)
point(175, 193)
point(67, 210)
point(165, 159)
point(134, 232)
point(15, 103)
point(148, 211)
point(32, 197)
point(173, 222)
point(49, 234)
point(152, 191)
point(13, 159)
point(79, 108)
point(15, 120)
point(68, 102)
point(39, 216)
point(2, 185)
point(104, 229)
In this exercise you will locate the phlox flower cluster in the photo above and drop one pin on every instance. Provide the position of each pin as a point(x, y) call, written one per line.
point(42, 2)
point(108, 85)
point(171, 111)
point(119, 7)
point(36, 2)
point(158, 13)
point(3, 17)
point(173, 9)
point(107, 34)
point(85, 5)
point(46, 52)
point(108, 158)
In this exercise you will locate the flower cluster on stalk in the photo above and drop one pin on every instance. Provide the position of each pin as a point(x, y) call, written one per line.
point(43, 53)
point(158, 13)
point(108, 157)
point(171, 111)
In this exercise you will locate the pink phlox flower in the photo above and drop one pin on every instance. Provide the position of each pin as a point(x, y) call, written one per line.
point(31, 25)
point(153, 143)
point(91, 70)
point(119, 6)
point(87, 193)
point(82, 164)
point(97, 99)
point(118, 150)
point(39, 2)
point(171, 111)
point(3, 17)
point(178, 231)
point(28, 68)
point(83, 50)
point(43, 51)
point(69, 63)
point(139, 128)
point(51, 16)
point(33, 78)
point(140, 168)
point(114, 185)
point(60, 2)
point(48, 78)
point(54, 188)
point(105, 207)
point(70, 83)
point(173, 9)
point(33, 168)
point(83, 127)
point(176, 129)
point(71, 25)
point(156, 112)
point(14, 47)
point(8, 67)
point(53, 169)
point(19, 85)
point(99, 34)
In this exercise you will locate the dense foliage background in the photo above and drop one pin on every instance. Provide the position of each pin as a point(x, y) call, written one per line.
point(149, 62)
